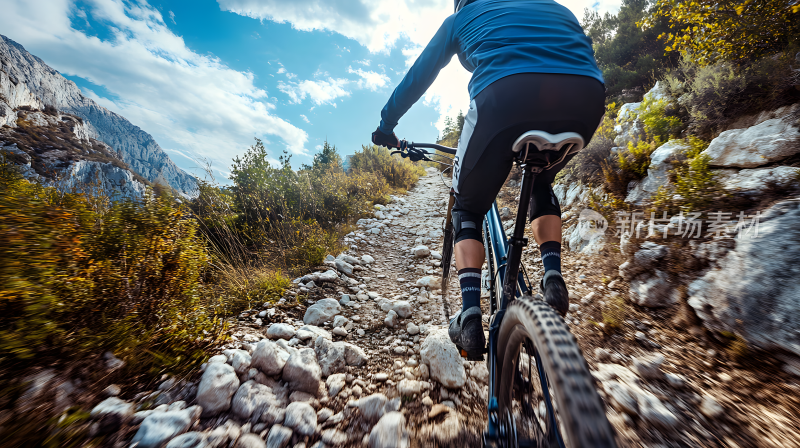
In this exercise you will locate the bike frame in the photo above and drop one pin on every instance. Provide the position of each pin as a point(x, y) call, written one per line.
point(503, 258)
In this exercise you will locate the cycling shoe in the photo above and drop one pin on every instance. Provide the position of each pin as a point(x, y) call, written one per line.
point(466, 331)
point(555, 291)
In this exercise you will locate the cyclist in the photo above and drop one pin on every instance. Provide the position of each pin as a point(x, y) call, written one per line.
point(532, 69)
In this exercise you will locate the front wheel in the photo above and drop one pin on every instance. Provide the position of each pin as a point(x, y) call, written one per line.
point(545, 388)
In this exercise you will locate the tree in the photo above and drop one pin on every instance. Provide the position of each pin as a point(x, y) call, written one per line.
point(711, 30)
point(327, 157)
point(629, 55)
point(452, 131)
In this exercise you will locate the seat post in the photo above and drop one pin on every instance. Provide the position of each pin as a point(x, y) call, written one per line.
point(518, 240)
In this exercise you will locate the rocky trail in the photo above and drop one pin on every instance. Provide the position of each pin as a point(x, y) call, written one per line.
point(357, 354)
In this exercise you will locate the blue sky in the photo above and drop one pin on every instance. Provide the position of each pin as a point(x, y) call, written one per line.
point(205, 77)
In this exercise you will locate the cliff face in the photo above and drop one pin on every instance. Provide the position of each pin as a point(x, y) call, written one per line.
point(27, 82)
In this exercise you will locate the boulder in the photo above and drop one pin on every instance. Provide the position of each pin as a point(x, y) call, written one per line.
point(278, 436)
point(366, 259)
point(391, 319)
point(280, 331)
point(250, 441)
point(372, 407)
point(252, 397)
point(421, 251)
point(192, 439)
point(443, 360)
point(355, 355)
point(767, 142)
point(330, 356)
point(345, 267)
point(217, 385)
point(307, 332)
point(662, 160)
point(403, 309)
point(753, 182)
point(301, 418)
point(335, 383)
point(302, 371)
point(654, 291)
point(321, 312)
point(112, 412)
point(629, 127)
point(429, 282)
point(390, 432)
point(159, 427)
point(240, 361)
point(268, 358)
point(752, 291)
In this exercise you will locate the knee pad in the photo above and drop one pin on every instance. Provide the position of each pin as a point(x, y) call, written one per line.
point(467, 226)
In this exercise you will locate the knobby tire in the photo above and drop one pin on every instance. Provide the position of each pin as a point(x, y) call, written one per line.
point(533, 325)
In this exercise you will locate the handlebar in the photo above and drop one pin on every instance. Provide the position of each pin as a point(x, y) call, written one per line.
point(415, 152)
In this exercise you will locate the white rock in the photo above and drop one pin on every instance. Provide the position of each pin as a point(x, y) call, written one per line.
point(344, 267)
point(354, 355)
point(113, 412)
point(268, 358)
point(280, 331)
point(159, 427)
point(421, 251)
point(767, 142)
point(218, 358)
point(480, 372)
point(621, 397)
point(217, 386)
point(301, 417)
point(339, 331)
point(340, 321)
point(390, 432)
point(278, 436)
point(366, 259)
point(330, 356)
point(391, 319)
point(372, 407)
point(250, 397)
point(335, 383)
point(250, 441)
point(429, 282)
point(412, 329)
point(188, 440)
point(312, 332)
point(443, 359)
point(756, 181)
point(328, 276)
point(321, 312)
point(408, 387)
point(436, 255)
point(240, 360)
point(403, 309)
point(302, 371)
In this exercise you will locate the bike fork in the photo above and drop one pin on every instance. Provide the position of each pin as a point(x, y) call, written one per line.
point(494, 435)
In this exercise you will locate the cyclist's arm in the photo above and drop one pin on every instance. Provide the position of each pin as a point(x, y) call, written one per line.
point(421, 75)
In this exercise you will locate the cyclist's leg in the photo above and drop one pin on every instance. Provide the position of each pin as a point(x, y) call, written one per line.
point(552, 103)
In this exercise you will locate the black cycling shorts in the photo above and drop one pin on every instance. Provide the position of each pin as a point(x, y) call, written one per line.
point(505, 110)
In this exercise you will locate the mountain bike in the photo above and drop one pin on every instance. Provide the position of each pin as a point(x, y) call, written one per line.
point(541, 393)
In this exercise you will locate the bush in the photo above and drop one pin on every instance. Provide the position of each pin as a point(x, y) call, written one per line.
point(399, 173)
point(716, 95)
point(76, 279)
point(692, 184)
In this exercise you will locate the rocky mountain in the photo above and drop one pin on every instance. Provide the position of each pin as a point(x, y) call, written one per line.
point(47, 122)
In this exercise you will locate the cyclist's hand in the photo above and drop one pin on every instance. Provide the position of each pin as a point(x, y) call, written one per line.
point(381, 139)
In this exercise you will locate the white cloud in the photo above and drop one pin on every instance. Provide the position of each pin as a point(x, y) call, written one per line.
point(305, 118)
point(189, 102)
point(364, 62)
point(321, 91)
point(379, 25)
point(369, 79)
point(172, 17)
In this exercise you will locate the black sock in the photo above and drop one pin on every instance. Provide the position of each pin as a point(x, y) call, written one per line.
point(470, 279)
point(551, 255)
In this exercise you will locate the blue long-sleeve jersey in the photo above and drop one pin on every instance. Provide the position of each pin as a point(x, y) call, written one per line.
point(494, 39)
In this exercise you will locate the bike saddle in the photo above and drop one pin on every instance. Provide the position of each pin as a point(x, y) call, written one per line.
point(545, 149)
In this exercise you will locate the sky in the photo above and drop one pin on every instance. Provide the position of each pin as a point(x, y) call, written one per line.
point(205, 78)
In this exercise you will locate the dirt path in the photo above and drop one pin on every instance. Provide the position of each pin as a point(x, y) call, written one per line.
point(356, 354)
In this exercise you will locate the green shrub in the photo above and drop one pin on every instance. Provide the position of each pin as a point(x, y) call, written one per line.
point(76, 280)
point(659, 123)
point(693, 185)
point(399, 173)
point(716, 95)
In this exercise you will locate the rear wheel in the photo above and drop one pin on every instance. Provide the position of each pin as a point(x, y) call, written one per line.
point(546, 392)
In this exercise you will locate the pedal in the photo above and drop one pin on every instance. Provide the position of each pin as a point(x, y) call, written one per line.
point(467, 356)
